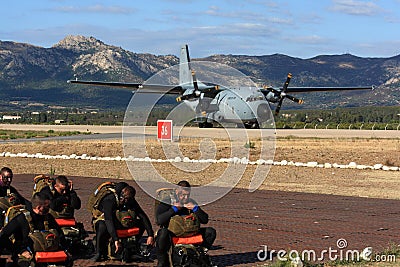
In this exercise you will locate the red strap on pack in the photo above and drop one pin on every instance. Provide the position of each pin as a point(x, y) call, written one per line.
point(50, 236)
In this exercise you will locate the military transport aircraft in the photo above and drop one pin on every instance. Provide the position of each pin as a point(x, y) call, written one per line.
point(246, 106)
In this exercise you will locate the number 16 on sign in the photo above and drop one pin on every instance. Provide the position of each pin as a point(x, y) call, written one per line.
point(164, 130)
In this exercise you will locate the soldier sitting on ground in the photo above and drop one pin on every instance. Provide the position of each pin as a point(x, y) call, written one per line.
point(24, 225)
point(63, 198)
point(6, 189)
point(106, 221)
point(179, 204)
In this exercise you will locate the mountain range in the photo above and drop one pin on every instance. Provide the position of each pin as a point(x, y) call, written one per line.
point(35, 77)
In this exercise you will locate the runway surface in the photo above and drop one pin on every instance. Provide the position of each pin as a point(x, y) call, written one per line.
point(116, 132)
point(247, 222)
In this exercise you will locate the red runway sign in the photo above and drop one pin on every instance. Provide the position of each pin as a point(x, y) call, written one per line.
point(164, 130)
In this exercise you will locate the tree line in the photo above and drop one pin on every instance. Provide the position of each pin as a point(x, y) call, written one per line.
point(360, 117)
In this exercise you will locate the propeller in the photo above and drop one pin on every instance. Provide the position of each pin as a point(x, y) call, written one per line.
point(208, 92)
point(196, 86)
point(282, 94)
point(196, 93)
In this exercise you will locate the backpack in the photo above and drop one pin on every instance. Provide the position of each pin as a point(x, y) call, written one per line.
point(97, 195)
point(5, 203)
point(45, 240)
point(10, 200)
point(40, 182)
point(190, 256)
point(184, 225)
point(163, 194)
point(127, 218)
point(13, 211)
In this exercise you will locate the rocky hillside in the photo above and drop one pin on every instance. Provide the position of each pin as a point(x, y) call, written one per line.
point(35, 76)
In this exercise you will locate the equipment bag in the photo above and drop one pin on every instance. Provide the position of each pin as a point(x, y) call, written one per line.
point(45, 240)
point(127, 218)
point(13, 211)
point(5, 203)
point(10, 200)
point(97, 195)
point(190, 256)
point(41, 181)
point(184, 225)
point(163, 195)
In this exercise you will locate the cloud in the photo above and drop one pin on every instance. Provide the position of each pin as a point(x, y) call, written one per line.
point(96, 9)
point(254, 30)
point(244, 15)
point(354, 7)
point(311, 39)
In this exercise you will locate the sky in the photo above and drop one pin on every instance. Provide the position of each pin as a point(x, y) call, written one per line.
point(297, 28)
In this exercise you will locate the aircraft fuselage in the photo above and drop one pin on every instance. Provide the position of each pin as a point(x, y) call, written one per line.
point(238, 105)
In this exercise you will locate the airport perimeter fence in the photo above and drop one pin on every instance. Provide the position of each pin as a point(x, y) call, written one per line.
point(347, 126)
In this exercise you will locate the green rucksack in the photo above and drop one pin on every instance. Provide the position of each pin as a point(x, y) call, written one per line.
point(45, 240)
point(163, 195)
point(41, 181)
point(98, 194)
point(10, 200)
point(184, 225)
point(13, 211)
point(5, 203)
point(127, 218)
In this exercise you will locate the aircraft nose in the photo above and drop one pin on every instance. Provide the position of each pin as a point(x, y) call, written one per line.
point(263, 112)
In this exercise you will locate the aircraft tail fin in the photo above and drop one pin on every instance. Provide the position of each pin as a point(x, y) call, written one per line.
point(185, 73)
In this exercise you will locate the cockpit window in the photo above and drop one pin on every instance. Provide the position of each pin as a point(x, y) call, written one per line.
point(254, 98)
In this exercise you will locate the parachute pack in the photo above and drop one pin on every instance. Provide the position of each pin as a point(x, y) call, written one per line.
point(184, 225)
point(98, 194)
point(5, 203)
point(191, 256)
point(127, 218)
point(163, 194)
point(40, 182)
point(13, 211)
point(45, 240)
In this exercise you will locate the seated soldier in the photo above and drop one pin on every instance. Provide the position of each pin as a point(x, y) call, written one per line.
point(63, 198)
point(107, 224)
point(182, 204)
point(6, 189)
point(24, 223)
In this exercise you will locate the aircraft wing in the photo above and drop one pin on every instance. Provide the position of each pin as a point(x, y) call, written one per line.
point(144, 88)
point(314, 89)
point(277, 95)
point(322, 89)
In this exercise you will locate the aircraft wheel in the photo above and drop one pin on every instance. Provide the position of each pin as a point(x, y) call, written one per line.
point(205, 125)
point(253, 125)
